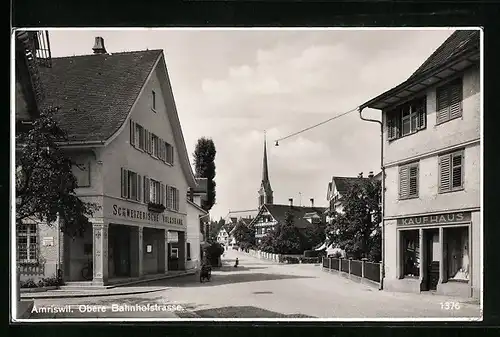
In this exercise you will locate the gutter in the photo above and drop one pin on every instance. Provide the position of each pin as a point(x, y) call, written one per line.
point(382, 250)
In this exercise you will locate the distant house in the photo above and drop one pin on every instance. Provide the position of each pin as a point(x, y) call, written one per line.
point(223, 236)
point(339, 186)
point(271, 214)
point(240, 222)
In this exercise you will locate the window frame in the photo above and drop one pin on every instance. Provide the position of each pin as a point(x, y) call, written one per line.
point(87, 165)
point(153, 101)
point(408, 167)
point(457, 81)
point(31, 232)
point(417, 107)
point(451, 155)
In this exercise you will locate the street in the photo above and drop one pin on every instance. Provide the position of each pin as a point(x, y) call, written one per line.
point(261, 289)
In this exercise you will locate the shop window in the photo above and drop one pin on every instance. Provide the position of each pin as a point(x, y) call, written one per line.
point(410, 253)
point(457, 253)
point(27, 243)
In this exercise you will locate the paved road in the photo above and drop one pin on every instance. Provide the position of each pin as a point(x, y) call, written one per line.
point(266, 290)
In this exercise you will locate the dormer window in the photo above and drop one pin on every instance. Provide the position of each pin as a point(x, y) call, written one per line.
point(153, 100)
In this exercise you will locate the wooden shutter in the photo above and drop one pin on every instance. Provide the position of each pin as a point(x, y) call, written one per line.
point(445, 173)
point(457, 171)
point(442, 105)
point(413, 181)
point(162, 194)
point(146, 189)
point(169, 197)
point(139, 187)
point(124, 174)
point(421, 114)
point(132, 133)
point(176, 192)
point(171, 155)
point(403, 182)
point(455, 96)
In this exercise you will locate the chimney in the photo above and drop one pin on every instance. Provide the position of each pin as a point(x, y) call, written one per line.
point(360, 175)
point(99, 46)
point(312, 202)
point(370, 174)
point(291, 202)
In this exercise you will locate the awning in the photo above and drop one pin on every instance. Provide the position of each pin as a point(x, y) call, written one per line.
point(323, 246)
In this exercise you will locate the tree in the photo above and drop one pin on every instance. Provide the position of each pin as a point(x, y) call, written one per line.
point(313, 235)
point(285, 238)
point(45, 184)
point(215, 227)
point(357, 229)
point(244, 235)
point(204, 161)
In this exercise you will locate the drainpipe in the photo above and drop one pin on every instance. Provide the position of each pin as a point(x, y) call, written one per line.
point(382, 250)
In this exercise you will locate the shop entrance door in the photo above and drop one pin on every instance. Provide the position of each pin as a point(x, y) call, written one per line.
point(431, 238)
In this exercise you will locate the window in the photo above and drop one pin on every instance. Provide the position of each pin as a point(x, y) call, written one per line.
point(174, 253)
point(456, 252)
point(451, 173)
point(172, 198)
point(130, 185)
point(139, 137)
point(188, 251)
point(27, 243)
point(153, 100)
point(449, 101)
point(155, 191)
point(81, 171)
point(407, 119)
point(408, 181)
point(410, 253)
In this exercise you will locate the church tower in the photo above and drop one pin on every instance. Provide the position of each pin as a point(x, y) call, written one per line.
point(265, 192)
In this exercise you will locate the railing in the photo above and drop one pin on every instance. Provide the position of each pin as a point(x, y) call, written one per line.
point(362, 270)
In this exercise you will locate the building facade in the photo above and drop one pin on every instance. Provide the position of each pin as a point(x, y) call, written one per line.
point(432, 157)
point(130, 158)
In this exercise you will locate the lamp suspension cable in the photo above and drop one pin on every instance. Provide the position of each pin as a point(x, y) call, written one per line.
point(316, 125)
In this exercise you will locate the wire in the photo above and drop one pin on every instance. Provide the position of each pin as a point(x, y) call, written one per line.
point(319, 124)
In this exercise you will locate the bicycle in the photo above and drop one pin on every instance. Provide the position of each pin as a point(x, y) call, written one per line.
point(87, 271)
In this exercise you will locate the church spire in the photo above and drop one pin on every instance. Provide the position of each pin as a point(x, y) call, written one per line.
point(265, 192)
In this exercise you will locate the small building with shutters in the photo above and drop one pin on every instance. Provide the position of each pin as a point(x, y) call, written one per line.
point(432, 156)
point(125, 138)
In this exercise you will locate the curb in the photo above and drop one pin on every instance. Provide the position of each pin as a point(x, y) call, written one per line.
point(102, 293)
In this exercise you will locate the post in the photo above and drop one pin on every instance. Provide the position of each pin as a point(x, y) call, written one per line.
point(350, 259)
point(100, 253)
point(441, 256)
point(423, 258)
point(140, 243)
point(329, 264)
point(363, 260)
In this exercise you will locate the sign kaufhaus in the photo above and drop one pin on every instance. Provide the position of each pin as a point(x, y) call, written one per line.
point(132, 214)
point(435, 219)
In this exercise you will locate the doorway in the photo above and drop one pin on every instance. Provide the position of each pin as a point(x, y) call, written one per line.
point(119, 251)
point(432, 252)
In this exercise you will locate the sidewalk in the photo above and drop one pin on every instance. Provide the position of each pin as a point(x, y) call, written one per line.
point(119, 289)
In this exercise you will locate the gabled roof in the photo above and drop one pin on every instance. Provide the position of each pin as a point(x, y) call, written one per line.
point(457, 53)
point(95, 92)
point(278, 212)
point(459, 42)
point(343, 184)
point(201, 210)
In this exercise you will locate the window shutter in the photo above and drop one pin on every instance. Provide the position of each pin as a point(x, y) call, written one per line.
point(143, 138)
point(146, 189)
point(403, 182)
point(457, 172)
point(176, 192)
point(139, 187)
point(442, 105)
point(455, 96)
point(132, 133)
point(172, 155)
point(124, 174)
point(169, 197)
point(162, 194)
point(445, 173)
point(422, 115)
point(413, 181)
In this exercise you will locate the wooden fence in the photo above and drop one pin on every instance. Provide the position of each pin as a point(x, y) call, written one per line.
point(359, 270)
point(282, 258)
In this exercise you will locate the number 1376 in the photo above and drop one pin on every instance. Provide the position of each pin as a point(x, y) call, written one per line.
point(450, 305)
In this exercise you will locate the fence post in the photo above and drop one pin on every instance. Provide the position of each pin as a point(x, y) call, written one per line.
point(363, 260)
point(381, 275)
point(329, 264)
point(350, 259)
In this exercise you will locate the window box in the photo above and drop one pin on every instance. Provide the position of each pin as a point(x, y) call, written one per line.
point(158, 208)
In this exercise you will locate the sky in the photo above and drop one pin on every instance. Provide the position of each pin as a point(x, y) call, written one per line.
point(232, 85)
